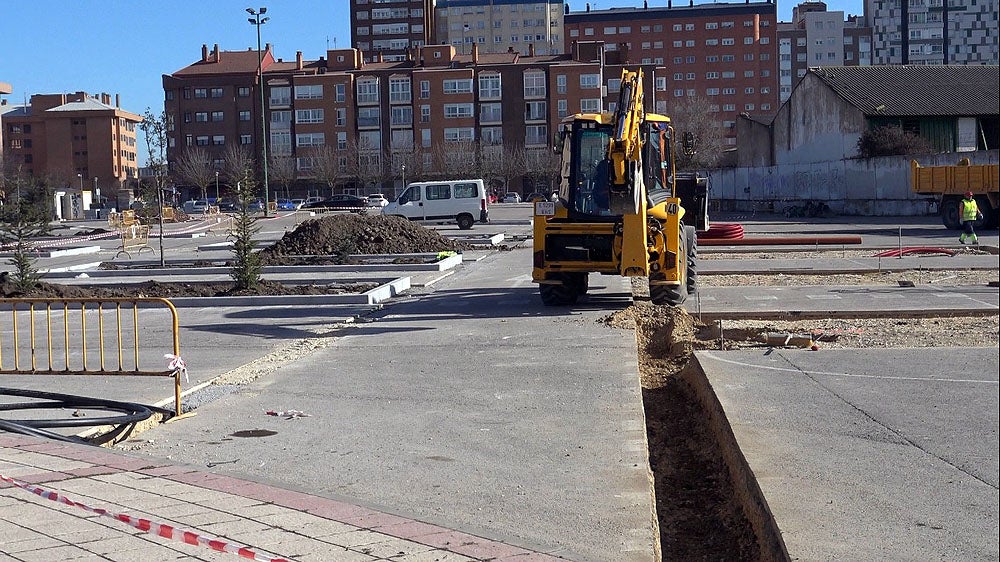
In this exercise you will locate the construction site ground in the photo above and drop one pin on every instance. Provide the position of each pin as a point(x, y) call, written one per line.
point(872, 450)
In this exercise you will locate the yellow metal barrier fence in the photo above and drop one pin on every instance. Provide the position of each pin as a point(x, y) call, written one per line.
point(135, 237)
point(61, 341)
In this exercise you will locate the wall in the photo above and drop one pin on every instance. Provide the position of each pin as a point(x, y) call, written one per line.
point(816, 125)
point(859, 187)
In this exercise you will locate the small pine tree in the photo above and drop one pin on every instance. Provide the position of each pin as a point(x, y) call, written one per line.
point(247, 265)
point(890, 140)
point(24, 216)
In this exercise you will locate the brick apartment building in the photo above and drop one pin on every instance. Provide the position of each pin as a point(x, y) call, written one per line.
point(817, 37)
point(422, 113)
point(723, 52)
point(76, 140)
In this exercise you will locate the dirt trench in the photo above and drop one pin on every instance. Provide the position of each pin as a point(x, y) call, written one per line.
point(708, 506)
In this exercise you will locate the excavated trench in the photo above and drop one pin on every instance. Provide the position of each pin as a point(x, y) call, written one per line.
point(708, 505)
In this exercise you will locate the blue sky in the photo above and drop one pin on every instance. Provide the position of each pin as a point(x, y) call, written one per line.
point(124, 46)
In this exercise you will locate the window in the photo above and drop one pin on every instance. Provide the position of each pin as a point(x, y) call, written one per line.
point(246, 140)
point(309, 92)
point(425, 114)
point(614, 84)
point(340, 93)
point(534, 111)
point(712, 25)
point(215, 92)
point(401, 139)
point(438, 192)
point(280, 119)
point(748, 107)
point(310, 139)
point(201, 117)
point(401, 115)
point(536, 135)
point(711, 42)
point(280, 96)
point(534, 84)
point(711, 75)
point(342, 141)
point(201, 140)
point(492, 135)
point(218, 116)
point(399, 90)
point(369, 117)
point(590, 81)
point(368, 90)
point(490, 112)
point(201, 93)
point(661, 83)
point(458, 86)
point(489, 86)
point(308, 115)
point(457, 110)
point(341, 117)
point(244, 116)
point(748, 90)
point(728, 91)
point(561, 108)
point(728, 41)
point(590, 105)
point(561, 84)
point(458, 134)
point(425, 138)
point(243, 92)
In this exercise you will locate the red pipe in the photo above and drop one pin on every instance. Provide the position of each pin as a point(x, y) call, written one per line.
point(781, 241)
point(918, 250)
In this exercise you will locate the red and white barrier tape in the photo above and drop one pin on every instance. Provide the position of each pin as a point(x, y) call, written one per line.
point(160, 529)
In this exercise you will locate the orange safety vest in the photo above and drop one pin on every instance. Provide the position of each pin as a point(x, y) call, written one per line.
point(969, 210)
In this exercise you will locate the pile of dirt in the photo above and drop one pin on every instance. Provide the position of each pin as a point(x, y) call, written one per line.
point(345, 234)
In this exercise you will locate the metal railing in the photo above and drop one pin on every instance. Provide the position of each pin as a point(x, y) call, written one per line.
point(88, 336)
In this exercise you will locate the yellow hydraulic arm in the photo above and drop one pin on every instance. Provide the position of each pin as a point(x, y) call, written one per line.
point(626, 142)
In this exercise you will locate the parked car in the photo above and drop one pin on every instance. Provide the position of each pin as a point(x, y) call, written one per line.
point(340, 201)
point(228, 205)
point(285, 205)
point(195, 206)
point(533, 197)
point(511, 197)
point(298, 203)
point(377, 200)
point(256, 206)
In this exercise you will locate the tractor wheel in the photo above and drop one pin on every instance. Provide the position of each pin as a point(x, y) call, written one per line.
point(579, 282)
point(670, 295)
point(558, 295)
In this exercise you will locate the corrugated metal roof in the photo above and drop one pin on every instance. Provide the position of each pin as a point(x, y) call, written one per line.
point(88, 104)
point(917, 90)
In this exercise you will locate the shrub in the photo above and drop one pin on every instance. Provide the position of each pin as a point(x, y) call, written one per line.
point(890, 140)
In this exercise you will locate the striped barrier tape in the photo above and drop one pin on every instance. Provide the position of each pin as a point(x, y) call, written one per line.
point(166, 531)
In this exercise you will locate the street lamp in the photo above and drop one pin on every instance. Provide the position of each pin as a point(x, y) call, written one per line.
point(404, 177)
point(97, 191)
point(216, 188)
point(258, 21)
point(81, 182)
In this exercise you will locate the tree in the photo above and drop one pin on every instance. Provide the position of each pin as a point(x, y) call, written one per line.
point(282, 170)
point(694, 119)
point(329, 167)
point(155, 129)
point(458, 159)
point(501, 163)
point(541, 168)
point(24, 215)
point(194, 166)
point(247, 264)
point(890, 140)
point(365, 163)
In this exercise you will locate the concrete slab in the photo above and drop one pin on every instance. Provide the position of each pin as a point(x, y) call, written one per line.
point(869, 454)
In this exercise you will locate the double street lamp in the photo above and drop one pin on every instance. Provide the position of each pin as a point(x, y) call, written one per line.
point(258, 21)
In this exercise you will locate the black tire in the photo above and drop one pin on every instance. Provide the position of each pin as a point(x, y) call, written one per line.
point(579, 282)
point(989, 215)
point(668, 295)
point(950, 214)
point(557, 295)
point(692, 259)
point(465, 221)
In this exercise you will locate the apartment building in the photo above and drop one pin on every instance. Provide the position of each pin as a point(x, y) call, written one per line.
point(817, 37)
point(497, 26)
point(723, 52)
point(77, 140)
point(386, 29)
point(933, 31)
point(377, 119)
point(5, 88)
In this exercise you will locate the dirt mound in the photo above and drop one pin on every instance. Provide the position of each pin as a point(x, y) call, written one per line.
point(174, 290)
point(667, 338)
point(341, 235)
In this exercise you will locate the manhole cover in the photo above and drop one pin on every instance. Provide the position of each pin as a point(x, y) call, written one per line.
point(253, 433)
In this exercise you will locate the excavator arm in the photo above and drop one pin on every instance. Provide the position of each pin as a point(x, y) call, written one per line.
point(625, 145)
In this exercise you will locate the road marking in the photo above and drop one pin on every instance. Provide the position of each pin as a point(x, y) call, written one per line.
point(887, 296)
point(823, 297)
point(952, 296)
point(761, 298)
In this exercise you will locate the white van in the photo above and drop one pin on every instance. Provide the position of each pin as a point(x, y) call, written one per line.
point(452, 200)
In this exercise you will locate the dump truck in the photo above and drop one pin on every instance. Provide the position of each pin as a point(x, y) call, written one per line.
point(622, 207)
point(948, 185)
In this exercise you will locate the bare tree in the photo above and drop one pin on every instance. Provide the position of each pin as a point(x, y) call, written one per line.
point(699, 139)
point(194, 166)
point(155, 129)
point(237, 163)
point(502, 163)
point(329, 166)
point(458, 159)
point(282, 170)
point(541, 167)
point(366, 164)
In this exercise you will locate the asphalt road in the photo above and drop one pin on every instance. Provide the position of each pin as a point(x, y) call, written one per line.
point(472, 406)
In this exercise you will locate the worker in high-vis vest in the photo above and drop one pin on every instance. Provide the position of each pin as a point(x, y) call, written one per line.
point(970, 213)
